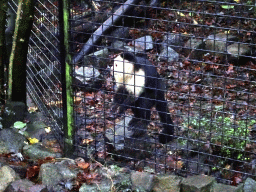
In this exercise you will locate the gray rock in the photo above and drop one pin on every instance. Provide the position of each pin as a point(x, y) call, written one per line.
point(85, 74)
point(52, 175)
point(122, 46)
point(95, 188)
point(117, 134)
point(194, 48)
point(127, 141)
point(21, 185)
point(38, 188)
point(37, 151)
point(100, 53)
point(238, 50)
point(249, 185)
point(89, 78)
point(142, 181)
point(118, 45)
point(132, 49)
point(167, 183)
point(144, 43)
point(7, 175)
point(173, 39)
point(113, 179)
point(169, 55)
point(11, 141)
point(197, 183)
point(217, 187)
point(219, 42)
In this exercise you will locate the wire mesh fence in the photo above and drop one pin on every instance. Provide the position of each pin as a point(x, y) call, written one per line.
point(184, 88)
point(202, 51)
point(43, 66)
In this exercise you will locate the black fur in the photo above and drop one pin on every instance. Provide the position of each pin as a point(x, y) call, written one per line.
point(152, 95)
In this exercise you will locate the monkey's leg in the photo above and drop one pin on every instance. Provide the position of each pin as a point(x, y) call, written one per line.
point(168, 131)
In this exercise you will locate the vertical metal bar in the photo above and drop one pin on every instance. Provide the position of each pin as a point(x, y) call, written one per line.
point(67, 96)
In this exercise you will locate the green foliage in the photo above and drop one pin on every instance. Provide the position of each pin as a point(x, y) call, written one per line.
point(228, 136)
point(19, 125)
point(227, 6)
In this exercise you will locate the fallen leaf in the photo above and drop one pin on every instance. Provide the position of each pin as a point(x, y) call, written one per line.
point(33, 140)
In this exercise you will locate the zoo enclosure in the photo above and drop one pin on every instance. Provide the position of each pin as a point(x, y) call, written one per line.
point(204, 51)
